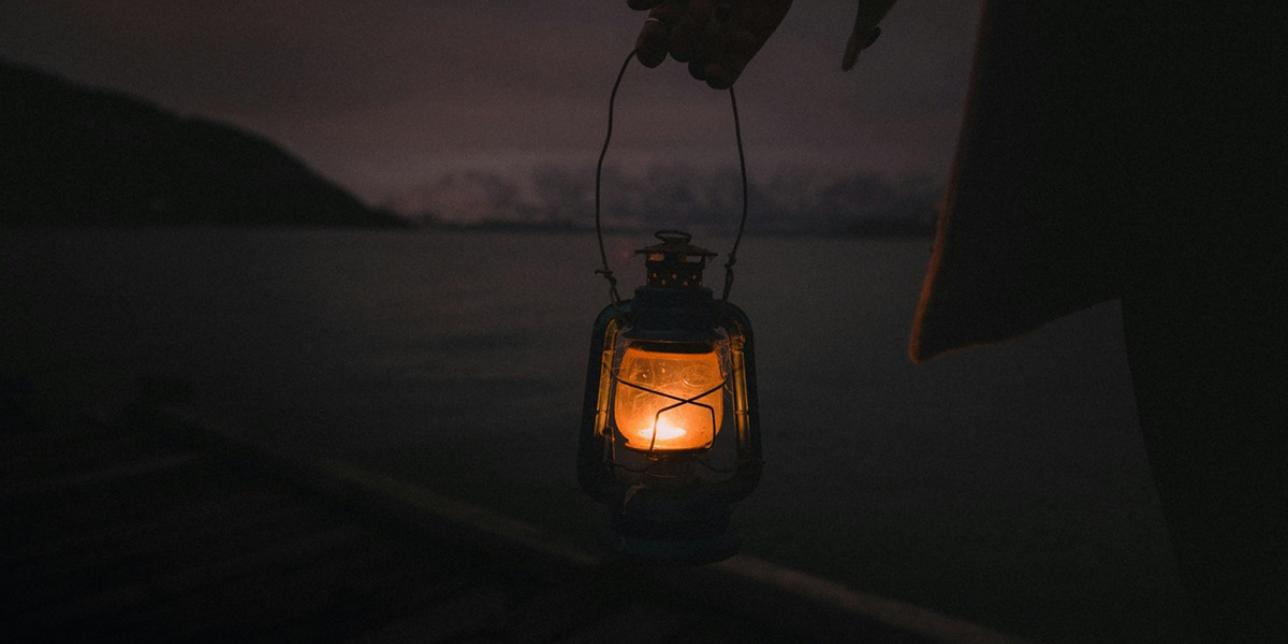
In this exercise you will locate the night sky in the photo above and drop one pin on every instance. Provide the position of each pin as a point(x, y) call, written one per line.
point(383, 99)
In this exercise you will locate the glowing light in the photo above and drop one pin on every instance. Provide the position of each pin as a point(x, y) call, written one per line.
point(665, 432)
point(667, 400)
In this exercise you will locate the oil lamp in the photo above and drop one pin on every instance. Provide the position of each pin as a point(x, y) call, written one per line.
point(669, 437)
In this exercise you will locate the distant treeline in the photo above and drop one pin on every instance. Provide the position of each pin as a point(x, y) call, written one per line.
point(788, 202)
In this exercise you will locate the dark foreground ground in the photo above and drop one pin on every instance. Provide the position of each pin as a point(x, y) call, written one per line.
point(155, 525)
point(1006, 485)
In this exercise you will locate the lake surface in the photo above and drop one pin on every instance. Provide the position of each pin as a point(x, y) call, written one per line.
point(1006, 484)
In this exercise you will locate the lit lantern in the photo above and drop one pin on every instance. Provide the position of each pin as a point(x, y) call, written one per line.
point(669, 436)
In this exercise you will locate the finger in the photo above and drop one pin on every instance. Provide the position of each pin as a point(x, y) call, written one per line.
point(851, 55)
point(718, 76)
point(643, 4)
point(669, 13)
point(755, 15)
point(725, 52)
point(698, 70)
point(731, 67)
point(699, 11)
point(651, 44)
point(686, 34)
point(740, 45)
point(684, 40)
point(655, 38)
point(714, 37)
point(858, 42)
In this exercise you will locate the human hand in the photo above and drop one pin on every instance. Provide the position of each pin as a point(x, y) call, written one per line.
point(717, 38)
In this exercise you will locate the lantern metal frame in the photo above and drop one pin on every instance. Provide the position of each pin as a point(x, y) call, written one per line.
point(652, 514)
point(655, 512)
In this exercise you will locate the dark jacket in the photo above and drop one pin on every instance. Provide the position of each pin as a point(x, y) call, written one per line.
point(1105, 146)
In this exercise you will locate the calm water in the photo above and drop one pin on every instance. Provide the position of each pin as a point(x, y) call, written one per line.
point(1006, 485)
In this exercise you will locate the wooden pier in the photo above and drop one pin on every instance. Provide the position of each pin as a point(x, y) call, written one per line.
point(159, 526)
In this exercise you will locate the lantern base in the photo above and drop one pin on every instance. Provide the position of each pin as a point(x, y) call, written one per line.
point(659, 531)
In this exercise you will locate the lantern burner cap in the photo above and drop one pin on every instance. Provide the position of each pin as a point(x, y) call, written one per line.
point(675, 263)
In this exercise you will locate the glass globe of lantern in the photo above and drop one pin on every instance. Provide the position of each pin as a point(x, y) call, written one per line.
point(669, 398)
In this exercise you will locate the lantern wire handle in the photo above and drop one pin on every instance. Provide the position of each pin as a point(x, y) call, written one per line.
point(742, 222)
point(599, 174)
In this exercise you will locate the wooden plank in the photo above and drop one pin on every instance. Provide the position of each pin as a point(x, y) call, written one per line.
point(26, 456)
point(638, 622)
point(375, 600)
point(757, 629)
point(479, 612)
point(112, 534)
point(270, 598)
point(106, 474)
point(138, 497)
point(304, 549)
point(168, 549)
point(559, 610)
point(83, 613)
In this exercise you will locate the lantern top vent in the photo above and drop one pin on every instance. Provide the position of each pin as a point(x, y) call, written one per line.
point(675, 263)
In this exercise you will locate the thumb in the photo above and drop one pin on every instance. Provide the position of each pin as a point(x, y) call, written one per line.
point(860, 39)
point(865, 30)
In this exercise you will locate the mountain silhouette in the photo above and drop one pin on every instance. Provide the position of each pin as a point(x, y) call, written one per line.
point(73, 155)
